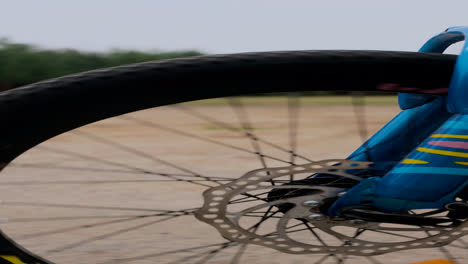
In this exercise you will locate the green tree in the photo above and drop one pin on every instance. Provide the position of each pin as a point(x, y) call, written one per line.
point(21, 64)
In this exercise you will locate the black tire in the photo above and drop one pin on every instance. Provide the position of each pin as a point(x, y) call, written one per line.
point(37, 112)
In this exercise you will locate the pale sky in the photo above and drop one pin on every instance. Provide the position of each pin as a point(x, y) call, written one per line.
point(220, 26)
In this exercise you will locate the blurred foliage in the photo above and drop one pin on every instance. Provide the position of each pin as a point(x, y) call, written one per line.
point(22, 64)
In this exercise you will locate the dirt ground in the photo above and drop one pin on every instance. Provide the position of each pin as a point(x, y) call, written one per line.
point(106, 192)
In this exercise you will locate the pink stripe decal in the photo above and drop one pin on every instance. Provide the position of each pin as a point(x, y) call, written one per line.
point(395, 87)
point(437, 91)
point(398, 88)
point(450, 144)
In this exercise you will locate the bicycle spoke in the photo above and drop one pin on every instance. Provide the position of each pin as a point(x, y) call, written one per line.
point(247, 197)
point(87, 226)
point(446, 253)
point(229, 127)
point(403, 229)
point(207, 255)
point(22, 183)
point(258, 216)
point(247, 201)
point(137, 171)
point(464, 244)
point(393, 234)
point(108, 235)
point(257, 198)
point(357, 233)
point(125, 260)
point(212, 254)
point(15, 203)
point(443, 250)
point(186, 134)
point(315, 234)
point(268, 214)
point(173, 176)
point(373, 260)
point(322, 241)
point(461, 241)
point(46, 219)
point(254, 228)
point(293, 113)
point(71, 168)
point(321, 260)
point(90, 158)
point(237, 257)
point(218, 245)
point(142, 154)
point(359, 103)
point(244, 121)
point(79, 227)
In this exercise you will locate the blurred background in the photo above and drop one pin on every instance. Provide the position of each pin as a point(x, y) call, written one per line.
point(46, 39)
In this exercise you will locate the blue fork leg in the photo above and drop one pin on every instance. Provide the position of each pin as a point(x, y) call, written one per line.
point(402, 134)
point(435, 168)
point(393, 143)
point(429, 177)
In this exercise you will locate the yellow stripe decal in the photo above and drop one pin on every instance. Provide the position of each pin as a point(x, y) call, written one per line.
point(12, 259)
point(449, 136)
point(444, 152)
point(414, 161)
point(461, 163)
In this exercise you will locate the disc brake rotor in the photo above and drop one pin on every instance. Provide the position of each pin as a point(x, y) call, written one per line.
point(224, 210)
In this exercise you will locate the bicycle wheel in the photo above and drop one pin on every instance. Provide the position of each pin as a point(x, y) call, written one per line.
point(125, 190)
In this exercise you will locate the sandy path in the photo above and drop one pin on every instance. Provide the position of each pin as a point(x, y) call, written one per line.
point(103, 174)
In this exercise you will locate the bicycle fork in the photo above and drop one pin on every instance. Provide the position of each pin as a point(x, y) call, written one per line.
point(428, 141)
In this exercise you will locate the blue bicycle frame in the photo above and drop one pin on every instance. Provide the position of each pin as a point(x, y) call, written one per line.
point(423, 151)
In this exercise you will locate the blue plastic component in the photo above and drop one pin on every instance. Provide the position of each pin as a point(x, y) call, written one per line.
point(409, 100)
point(458, 90)
point(436, 44)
